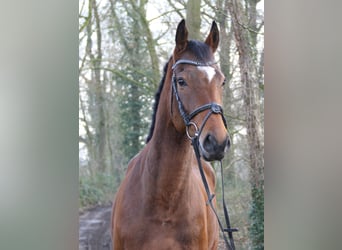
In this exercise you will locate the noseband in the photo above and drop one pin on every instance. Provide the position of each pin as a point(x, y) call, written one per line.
point(213, 107)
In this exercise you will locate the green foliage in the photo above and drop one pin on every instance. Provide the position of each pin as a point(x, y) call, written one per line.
point(256, 216)
point(237, 198)
point(96, 190)
point(131, 124)
point(134, 88)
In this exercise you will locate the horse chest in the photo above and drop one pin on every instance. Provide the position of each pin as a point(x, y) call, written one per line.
point(163, 230)
point(174, 234)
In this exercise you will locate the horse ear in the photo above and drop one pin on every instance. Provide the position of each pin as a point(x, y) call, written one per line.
point(213, 38)
point(181, 37)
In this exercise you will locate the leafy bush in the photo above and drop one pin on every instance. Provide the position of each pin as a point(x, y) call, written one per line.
point(256, 216)
point(96, 190)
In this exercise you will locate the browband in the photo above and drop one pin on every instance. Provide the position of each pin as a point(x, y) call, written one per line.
point(195, 63)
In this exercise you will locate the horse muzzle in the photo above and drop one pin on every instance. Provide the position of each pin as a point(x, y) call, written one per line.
point(213, 150)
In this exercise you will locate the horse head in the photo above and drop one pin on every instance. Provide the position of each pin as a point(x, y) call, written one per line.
point(198, 87)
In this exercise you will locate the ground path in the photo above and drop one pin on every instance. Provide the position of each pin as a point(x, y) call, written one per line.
point(94, 229)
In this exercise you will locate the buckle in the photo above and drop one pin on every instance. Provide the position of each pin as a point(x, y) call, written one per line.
point(216, 108)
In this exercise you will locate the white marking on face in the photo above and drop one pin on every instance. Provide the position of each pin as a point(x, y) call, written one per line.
point(210, 71)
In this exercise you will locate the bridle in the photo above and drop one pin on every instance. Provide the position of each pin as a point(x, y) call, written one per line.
point(213, 108)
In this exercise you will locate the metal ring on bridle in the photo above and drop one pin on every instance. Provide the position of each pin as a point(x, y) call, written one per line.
point(196, 130)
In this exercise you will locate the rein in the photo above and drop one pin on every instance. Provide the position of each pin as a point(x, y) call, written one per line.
point(213, 108)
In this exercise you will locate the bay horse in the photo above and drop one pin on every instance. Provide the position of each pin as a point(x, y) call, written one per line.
point(161, 203)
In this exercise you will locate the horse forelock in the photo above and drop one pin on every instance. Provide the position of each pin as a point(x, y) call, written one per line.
point(199, 50)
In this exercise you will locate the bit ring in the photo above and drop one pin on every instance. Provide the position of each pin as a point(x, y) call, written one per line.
point(187, 130)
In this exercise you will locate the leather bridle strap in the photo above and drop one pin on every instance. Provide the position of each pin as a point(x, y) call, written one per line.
point(214, 108)
point(230, 245)
point(191, 62)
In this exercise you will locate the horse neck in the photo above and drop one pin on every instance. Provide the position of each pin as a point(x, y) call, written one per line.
point(170, 153)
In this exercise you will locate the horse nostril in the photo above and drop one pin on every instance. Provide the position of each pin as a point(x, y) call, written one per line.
point(228, 143)
point(209, 143)
point(213, 150)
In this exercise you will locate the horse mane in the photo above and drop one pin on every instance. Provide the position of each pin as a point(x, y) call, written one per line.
point(201, 52)
point(156, 102)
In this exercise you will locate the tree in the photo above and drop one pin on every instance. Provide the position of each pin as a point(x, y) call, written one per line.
point(134, 77)
point(96, 143)
point(193, 19)
point(246, 45)
point(226, 67)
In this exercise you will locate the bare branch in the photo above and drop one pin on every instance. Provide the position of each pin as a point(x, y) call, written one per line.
point(177, 10)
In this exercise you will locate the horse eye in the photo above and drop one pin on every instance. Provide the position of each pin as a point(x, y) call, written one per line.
point(181, 82)
point(224, 82)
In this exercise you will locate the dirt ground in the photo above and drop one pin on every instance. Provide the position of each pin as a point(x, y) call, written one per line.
point(94, 229)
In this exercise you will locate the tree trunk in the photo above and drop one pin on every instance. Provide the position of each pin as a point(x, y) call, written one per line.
point(101, 136)
point(96, 109)
point(250, 95)
point(151, 45)
point(193, 19)
point(224, 53)
point(248, 75)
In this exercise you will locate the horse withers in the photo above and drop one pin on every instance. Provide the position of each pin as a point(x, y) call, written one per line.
point(162, 202)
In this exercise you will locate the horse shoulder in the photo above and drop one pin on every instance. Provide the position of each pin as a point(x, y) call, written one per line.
point(125, 202)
